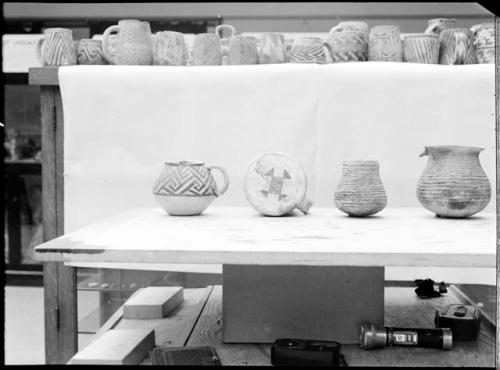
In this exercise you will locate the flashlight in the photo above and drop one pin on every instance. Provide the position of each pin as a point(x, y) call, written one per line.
point(376, 336)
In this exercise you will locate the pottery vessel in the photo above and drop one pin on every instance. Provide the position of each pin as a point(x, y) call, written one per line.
point(309, 50)
point(56, 47)
point(134, 44)
point(385, 44)
point(360, 191)
point(421, 48)
point(276, 184)
point(187, 188)
point(457, 46)
point(352, 26)
point(90, 52)
point(437, 25)
point(347, 46)
point(453, 183)
point(225, 33)
point(207, 50)
point(242, 50)
point(272, 49)
point(169, 49)
point(484, 42)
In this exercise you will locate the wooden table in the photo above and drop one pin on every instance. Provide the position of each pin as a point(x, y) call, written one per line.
point(344, 258)
point(197, 322)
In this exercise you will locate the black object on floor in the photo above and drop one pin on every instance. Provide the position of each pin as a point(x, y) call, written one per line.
point(192, 356)
point(463, 320)
point(425, 288)
point(288, 352)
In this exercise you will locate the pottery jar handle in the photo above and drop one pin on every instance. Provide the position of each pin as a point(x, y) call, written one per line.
point(105, 43)
point(329, 51)
point(304, 205)
point(432, 28)
point(39, 53)
point(424, 153)
point(225, 26)
point(333, 29)
point(224, 175)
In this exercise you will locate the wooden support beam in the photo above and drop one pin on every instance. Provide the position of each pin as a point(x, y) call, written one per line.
point(497, 132)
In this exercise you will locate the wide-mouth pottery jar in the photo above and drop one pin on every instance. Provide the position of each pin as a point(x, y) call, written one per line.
point(453, 183)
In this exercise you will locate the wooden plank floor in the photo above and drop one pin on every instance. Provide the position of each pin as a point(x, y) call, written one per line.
point(198, 322)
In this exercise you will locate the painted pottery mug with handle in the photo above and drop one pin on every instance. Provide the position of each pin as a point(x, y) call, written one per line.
point(272, 49)
point(187, 188)
point(347, 46)
point(421, 48)
point(437, 25)
point(206, 50)
point(134, 44)
point(169, 49)
point(56, 48)
point(309, 50)
point(242, 50)
point(484, 42)
point(276, 184)
point(89, 51)
point(385, 44)
point(457, 46)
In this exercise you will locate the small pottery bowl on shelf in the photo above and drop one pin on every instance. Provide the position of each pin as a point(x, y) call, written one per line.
point(187, 188)
point(453, 183)
point(360, 192)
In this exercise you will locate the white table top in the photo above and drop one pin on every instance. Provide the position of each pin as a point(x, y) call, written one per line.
point(238, 235)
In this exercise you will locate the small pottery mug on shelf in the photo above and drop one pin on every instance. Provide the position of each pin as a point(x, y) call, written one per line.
point(56, 48)
point(421, 48)
point(385, 44)
point(484, 42)
point(276, 184)
point(242, 50)
point(225, 39)
point(457, 46)
point(187, 188)
point(90, 52)
point(437, 25)
point(453, 183)
point(347, 46)
point(309, 50)
point(134, 44)
point(169, 49)
point(352, 26)
point(206, 50)
point(272, 49)
point(360, 191)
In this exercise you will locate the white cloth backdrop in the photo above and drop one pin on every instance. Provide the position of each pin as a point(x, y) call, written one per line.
point(123, 122)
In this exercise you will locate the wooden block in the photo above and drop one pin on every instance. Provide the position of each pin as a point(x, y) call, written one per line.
point(153, 303)
point(117, 347)
point(264, 303)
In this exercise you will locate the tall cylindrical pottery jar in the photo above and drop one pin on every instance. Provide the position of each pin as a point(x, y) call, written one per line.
point(453, 183)
point(360, 191)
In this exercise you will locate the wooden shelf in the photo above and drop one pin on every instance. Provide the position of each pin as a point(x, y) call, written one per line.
point(238, 235)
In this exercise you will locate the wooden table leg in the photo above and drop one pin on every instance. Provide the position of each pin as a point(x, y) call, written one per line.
point(61, 322)
point(497, 132)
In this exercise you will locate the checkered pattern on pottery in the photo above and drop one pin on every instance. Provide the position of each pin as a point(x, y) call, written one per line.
point(186, 181)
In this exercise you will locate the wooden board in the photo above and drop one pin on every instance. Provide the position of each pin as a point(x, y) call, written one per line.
point(44, 76)
point(263, 303)
point(153, 303)
point(117, 347)
point(402, 308)
point(239, 235)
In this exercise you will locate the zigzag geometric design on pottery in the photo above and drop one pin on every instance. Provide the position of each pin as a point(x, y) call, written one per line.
point(58, 49)
point(90, 55)
point(308, 54)
point(457, 46)
point(185, 180)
